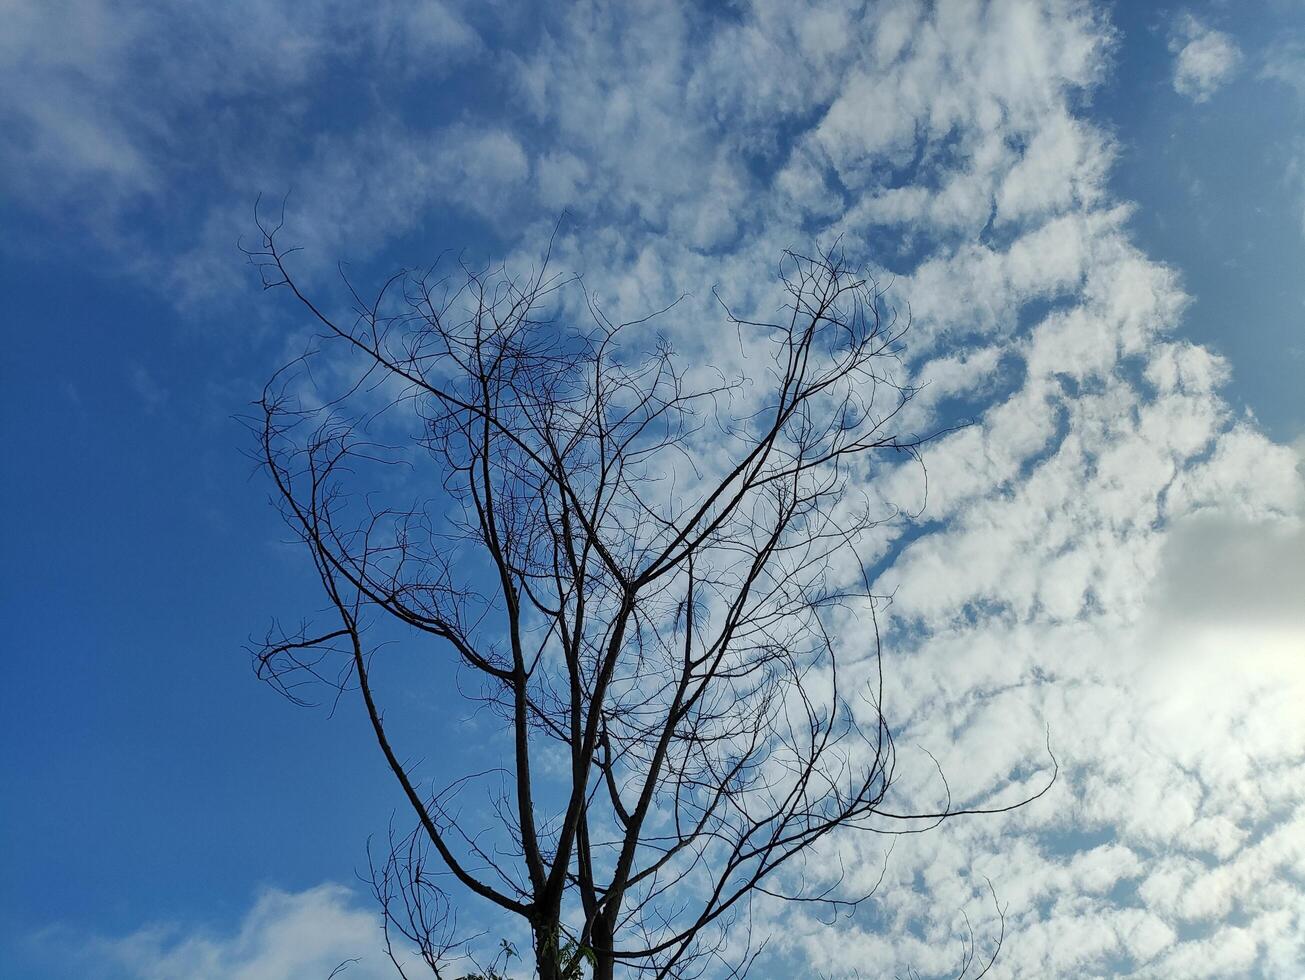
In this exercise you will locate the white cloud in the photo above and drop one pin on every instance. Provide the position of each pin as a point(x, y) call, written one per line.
point(284, 934)
point(1285, 63)
point(110, 108)
point(1110, 551)
point(1205, 58)
point(1044, 592)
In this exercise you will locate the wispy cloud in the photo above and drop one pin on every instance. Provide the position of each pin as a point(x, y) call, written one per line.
point(949, 146)
point(283, 934)
point(152, 127)
point(1205, 59)
point(1084, 565)
point(1284, 63)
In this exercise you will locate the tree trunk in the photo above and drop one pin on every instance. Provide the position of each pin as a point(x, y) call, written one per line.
point(604, 962)
point(547, 960)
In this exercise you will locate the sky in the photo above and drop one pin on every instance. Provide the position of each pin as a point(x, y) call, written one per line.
point(1096, 213)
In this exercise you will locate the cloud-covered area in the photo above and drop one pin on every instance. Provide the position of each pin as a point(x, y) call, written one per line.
point(1204, 58)
point(1109, 552)
point(282, 935)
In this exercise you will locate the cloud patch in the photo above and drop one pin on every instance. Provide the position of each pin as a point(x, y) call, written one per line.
point(283, 934)
point(1107, 550)
point(1205, 59)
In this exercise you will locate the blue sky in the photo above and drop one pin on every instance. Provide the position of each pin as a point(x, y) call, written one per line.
point(1097, 213)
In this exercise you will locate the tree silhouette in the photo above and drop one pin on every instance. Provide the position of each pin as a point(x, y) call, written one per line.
point(646, 569)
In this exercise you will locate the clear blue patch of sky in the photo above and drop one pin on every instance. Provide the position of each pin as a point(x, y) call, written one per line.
point(1215, 196)
point(150, 777)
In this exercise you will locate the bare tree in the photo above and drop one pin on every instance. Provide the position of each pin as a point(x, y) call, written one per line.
point(648, 571)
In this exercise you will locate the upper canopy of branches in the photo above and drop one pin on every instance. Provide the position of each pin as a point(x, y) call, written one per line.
point(651, 566)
